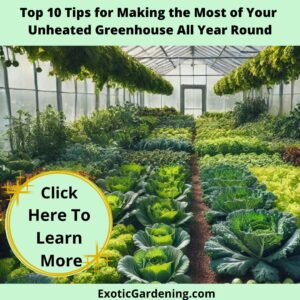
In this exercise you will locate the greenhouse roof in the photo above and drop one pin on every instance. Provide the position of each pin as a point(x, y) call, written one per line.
point(164, 59)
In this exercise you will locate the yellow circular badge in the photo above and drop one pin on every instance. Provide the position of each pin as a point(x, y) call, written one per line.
point(58, 223)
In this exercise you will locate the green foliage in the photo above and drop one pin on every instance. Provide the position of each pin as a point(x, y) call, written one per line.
point(172, 134)
point(103, 64)
point(223, 202)
point(176, 121)
point(151, 210)
point(236, 145)
point(246, 159)
point(18, 273)
point(161, 234)
point(107, 275)
point(157, 157)
point(121, 204)
point(292, 155)
point(113, 257)
point(116, 125)
point(289, 126)
point(248, 110)
point(121, 184)
point(169, 182)
point(49, 134)
point(222, 176)
point(43, 137)
point(284, 183)
point(120, 229)
point(273, 65)
point(266, 243)
point(123, 244)
point(155, 111)
point(7, 265)
point(164, 144)
point(132, 169)
point(82, 278)
point(20, 133)
point(91, 158)
point(159, 264)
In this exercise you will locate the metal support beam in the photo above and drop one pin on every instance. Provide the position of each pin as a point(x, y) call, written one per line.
point(59, 95)
point(196, 57)
point(76, 99)
point(36, 87)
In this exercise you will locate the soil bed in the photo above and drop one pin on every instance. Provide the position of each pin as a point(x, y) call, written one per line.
point(200, 271)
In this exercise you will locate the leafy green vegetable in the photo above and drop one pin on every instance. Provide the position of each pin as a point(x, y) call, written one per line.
point(121, 184)
point(161, 264)
point(172, 134)
point(267, 243)
point(151, 210)
point(228, 200)
point(157, 157)
point(284, 183)
point(161, 235)
point(233, 145)
point(246, 159)
point(107, 275)
point(120, 229)
point(121, 204)
point(164, 144)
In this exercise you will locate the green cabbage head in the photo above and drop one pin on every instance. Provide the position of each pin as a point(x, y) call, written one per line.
point(159, 264)
point(161, 235)
point(266, 243)
point(151, 210)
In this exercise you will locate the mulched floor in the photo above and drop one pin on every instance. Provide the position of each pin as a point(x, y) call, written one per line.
point(200, 271)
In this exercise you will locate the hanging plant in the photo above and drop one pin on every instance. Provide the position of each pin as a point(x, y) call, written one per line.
point(103, 64)
point(273, 65)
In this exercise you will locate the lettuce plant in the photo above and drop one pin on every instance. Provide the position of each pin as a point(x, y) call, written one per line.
point(132, 169)
point(152, 209)
point(161, 234)
point(284, 183)
point(233, 145)
point(266, 243)
point(156, 264)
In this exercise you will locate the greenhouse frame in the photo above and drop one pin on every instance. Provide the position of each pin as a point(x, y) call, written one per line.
point(196, 148)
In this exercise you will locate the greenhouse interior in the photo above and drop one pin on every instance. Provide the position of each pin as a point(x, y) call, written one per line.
point(197, 149)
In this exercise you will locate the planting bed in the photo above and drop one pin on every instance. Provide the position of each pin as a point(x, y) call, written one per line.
point(181, 190)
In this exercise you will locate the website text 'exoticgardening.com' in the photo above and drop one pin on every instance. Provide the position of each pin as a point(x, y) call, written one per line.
point(155, 294)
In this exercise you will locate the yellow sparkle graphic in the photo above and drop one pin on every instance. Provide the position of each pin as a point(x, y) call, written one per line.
point(97, 257)
point(16, 189)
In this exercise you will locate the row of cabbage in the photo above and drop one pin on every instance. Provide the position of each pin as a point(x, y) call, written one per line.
point(155, 198)
point(149, 197)
point(160, 212)
point(251, 238)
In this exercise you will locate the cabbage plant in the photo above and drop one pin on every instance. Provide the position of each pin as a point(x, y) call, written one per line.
point(168, 189)
point(157, 264)
point(228, 200)
point(266, 243)
point(162, 235)
point(121, 184)
point(152, 209)
point(132, 169)
point(121, 204)
point(226, 175)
